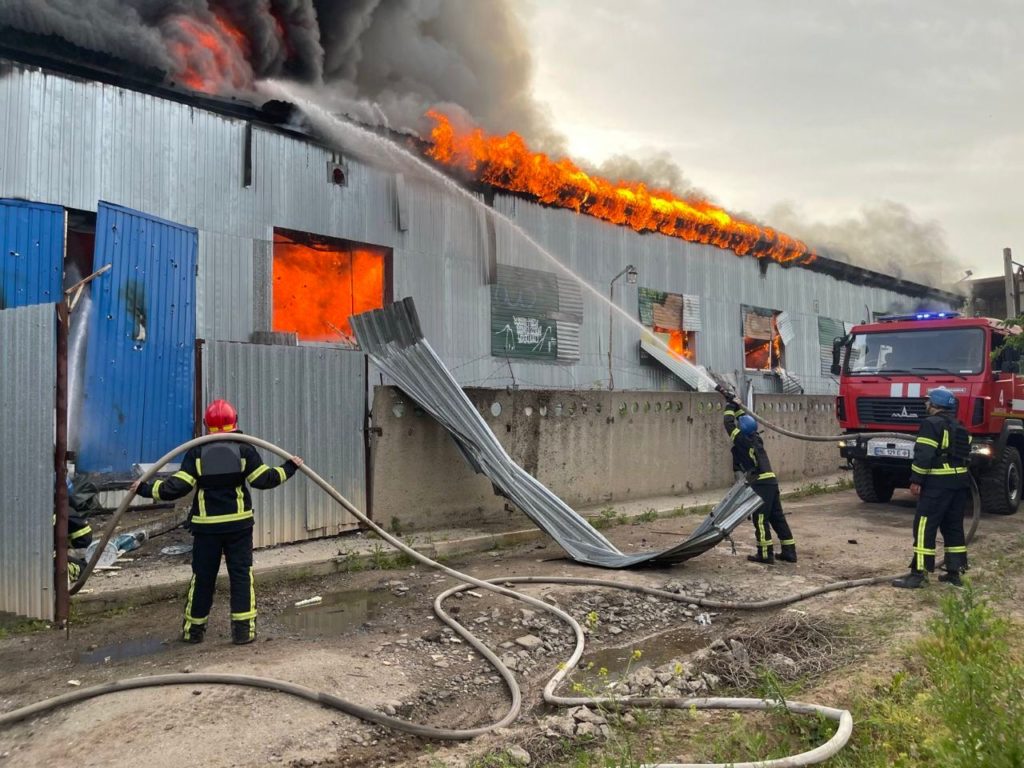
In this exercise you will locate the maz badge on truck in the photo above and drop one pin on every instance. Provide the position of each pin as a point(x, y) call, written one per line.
point(896, 449)
point(904, 414)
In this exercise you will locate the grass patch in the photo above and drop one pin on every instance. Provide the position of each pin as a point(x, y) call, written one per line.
point(22, 627)
point(607, 517)
point(684, 511)
point(818, 489)
point(647, 516)
point(957, 703)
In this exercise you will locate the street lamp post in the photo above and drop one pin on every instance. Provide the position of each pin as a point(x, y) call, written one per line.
point(631, 275)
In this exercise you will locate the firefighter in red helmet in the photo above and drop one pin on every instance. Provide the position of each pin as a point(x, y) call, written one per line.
point(221, 520)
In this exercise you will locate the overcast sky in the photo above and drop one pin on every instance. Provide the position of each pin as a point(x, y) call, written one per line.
point(827, 105)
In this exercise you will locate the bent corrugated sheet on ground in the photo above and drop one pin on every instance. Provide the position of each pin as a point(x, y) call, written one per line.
point(393, 339)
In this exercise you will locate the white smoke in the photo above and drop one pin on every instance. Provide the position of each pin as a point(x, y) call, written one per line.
point(884, 236)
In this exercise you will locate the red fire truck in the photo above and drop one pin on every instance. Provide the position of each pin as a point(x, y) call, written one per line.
point(886, 370)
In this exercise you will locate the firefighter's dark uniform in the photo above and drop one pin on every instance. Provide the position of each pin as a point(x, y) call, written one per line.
point(221, 522)
point(941, 453)
point(79, 535)
point(749, 453)
point(733, 411)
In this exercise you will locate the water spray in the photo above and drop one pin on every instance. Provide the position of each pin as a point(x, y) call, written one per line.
point(375, 147)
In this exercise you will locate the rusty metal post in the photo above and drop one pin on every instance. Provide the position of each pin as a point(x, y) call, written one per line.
point(197, 391)
point(60, 497)
point(1011, 303)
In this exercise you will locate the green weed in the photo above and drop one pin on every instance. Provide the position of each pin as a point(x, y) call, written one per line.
point(606, 518)
point(648, 516)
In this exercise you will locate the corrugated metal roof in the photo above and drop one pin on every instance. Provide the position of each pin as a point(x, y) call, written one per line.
point(310, 400)
point(393, 338)
point(27, 390)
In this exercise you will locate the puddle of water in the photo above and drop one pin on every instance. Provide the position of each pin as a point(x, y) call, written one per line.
point(338, 612)
point(655, 652)
point(129, 649)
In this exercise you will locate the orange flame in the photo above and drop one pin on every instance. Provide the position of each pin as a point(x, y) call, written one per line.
point(316, 289)
point(762, 355)
point(508, 163)
point(679, 342)
point(213, 57)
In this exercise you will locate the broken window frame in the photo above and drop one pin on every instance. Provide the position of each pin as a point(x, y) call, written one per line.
point(774, 364)
point(689, 335)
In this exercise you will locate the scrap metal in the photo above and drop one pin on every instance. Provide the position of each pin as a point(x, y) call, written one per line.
point(393, 339)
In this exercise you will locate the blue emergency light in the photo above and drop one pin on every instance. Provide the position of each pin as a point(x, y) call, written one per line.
point(919, 316)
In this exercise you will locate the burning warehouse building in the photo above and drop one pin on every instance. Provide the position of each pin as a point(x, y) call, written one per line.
point(238, 243)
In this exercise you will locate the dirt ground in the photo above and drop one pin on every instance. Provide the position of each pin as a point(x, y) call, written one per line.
point(374, 640)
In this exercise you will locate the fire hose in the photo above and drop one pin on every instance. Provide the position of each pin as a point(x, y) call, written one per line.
point(816, 755)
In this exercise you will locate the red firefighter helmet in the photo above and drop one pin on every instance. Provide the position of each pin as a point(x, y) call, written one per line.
point(221, 416)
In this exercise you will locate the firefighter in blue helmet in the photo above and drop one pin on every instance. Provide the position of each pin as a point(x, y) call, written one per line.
point(940, 481)
point(749, 453)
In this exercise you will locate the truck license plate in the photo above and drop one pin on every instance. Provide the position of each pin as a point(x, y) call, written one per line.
point(894, 449)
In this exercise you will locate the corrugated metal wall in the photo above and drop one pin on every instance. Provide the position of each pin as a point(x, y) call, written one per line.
point(31, 253)
point(77, 142)
point(140, 356)
point(309, 400)
point(28, 374)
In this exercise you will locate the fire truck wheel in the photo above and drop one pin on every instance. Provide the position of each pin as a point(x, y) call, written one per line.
point(871, 485)
point(1000, 486)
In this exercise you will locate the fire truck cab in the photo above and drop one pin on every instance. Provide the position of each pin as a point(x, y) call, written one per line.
point(886, 370)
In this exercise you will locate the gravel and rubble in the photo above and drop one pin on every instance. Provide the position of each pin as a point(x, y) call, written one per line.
point(379, 644)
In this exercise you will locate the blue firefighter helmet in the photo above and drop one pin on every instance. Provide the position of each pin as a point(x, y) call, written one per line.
point(942, 398)
point(747, 424)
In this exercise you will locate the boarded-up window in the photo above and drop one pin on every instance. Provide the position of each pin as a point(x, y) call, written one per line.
point(535, 315)
point(763, 346)
point(672, 317)
point(320, 282)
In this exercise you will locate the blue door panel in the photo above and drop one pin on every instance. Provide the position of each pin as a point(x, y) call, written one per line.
point(140, 362)
point(31, 253)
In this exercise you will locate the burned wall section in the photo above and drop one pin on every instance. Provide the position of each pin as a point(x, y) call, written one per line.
point(589, 448)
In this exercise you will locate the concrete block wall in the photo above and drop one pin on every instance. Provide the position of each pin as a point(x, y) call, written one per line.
point(590, 448)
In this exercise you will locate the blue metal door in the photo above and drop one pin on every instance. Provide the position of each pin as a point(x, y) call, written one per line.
point(140, 362)
point(32, 255)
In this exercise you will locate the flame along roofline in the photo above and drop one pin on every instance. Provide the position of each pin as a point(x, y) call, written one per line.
point(55, 54)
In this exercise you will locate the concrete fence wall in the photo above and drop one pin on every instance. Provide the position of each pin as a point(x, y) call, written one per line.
point(588, 447)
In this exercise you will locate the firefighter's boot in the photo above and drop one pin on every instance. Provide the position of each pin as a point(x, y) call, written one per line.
point(788, 553)
point(243, 632)
point(913, 580)
point(769, 560)
point(193, 634)
point(952, 578)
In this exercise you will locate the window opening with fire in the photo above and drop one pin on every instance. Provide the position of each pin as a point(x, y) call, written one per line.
point(672, 317)
point(320, 282)
point(763, 347)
